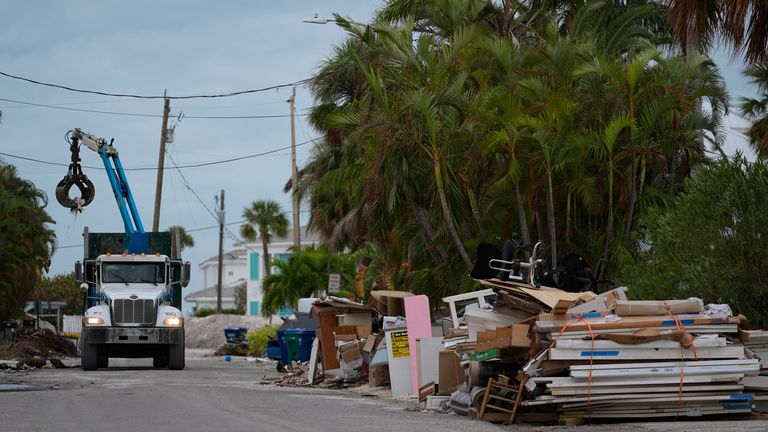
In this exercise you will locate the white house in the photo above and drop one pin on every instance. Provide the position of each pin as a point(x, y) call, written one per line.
point(278, 248)
point(235, 265)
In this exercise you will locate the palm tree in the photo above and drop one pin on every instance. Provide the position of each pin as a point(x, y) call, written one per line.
point(741, 23)
point(756, 110)
point(26, 241)
point(185, 239)
point(264, 219)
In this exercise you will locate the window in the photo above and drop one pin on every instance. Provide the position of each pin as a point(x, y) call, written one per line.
point(231, 273)
point(254, 309)
point(133, 272)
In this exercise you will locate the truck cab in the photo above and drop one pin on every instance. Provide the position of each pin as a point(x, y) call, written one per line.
point(132, 309)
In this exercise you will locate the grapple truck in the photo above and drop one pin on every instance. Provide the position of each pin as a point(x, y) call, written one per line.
point(131, 281)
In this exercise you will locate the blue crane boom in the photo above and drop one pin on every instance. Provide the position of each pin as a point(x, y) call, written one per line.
point(117, 179)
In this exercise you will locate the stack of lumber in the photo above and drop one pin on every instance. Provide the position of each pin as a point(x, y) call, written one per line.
point(757, 342)
point(650, 389)
point(657, 359)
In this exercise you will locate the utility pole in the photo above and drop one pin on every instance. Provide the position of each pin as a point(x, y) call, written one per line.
point(221, 253)
point(294, 175)
point(161, 163)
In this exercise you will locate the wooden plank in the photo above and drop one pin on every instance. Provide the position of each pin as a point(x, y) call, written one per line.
point(557, 392)
point(325, 329)
point(657, 354)
point(627, 398)
point(667, 371)
point(664, 364)
point(546, 322)
point(700, 342)
point(725, 378)
point(702, 329)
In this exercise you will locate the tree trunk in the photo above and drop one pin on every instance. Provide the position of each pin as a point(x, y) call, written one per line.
point(475, 210)
point(609, 229)
point(265, 250)
point(632, 200)
point(447, 215)
point(672, 171)
point(568, 218)
point(521, 213)
point(421, 216)
point(551, 220)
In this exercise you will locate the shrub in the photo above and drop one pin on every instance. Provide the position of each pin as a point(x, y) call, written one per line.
point(206, 311)
point(257, 339)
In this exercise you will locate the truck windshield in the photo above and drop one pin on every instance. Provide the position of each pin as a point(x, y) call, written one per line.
point(133, 273)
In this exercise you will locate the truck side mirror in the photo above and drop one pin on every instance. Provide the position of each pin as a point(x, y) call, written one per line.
point(186, 269)
point(84, 287)
point(78, 271)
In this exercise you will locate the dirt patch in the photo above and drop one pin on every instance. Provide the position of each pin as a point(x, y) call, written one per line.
point(39, 342)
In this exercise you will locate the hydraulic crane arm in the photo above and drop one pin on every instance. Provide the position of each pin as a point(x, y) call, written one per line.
point(114, 168)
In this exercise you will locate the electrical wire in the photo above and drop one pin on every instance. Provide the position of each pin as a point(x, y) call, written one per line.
point(136, 96)
point(239, 117)
point(198, 165)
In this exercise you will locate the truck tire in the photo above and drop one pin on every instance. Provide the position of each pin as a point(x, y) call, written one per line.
point(102, 359)
point(176, 353)
point(89, 353)
point(160, 360)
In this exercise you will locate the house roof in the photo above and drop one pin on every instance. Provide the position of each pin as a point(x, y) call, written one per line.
point(233, 255)
point(307, 237)
point(227, 292)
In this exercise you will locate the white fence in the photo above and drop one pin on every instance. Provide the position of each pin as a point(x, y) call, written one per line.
point(72, 324)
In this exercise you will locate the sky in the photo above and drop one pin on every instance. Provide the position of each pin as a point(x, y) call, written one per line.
point(185, 47)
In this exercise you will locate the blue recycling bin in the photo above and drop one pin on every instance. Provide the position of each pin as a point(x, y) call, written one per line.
point(235, 335)
point(295, 345)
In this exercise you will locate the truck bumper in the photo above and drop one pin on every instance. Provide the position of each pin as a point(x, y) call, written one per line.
point(134, 335)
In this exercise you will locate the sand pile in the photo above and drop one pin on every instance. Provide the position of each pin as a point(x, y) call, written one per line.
point(208, 332)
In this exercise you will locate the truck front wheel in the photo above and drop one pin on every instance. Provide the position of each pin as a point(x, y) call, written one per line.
point(89, 353)
point(176, 353)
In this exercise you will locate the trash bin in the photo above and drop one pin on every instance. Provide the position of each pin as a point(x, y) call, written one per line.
point(235, 335)
point(295, 345)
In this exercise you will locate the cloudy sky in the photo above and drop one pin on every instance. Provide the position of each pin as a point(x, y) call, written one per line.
point(187, 47)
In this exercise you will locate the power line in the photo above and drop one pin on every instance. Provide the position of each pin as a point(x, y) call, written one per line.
point(189, 231)
point(198, 165)
point(255, 116)
point(136, 96)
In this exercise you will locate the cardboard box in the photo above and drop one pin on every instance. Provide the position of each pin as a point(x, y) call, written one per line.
point(372, 343)
point(378, 375)
point(351, 360)
point(451, 373)
point(359, 331)
point(515, 336)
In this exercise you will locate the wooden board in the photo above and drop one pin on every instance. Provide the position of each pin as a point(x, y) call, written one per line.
point(667, 371)
point(326, 327)
point(547, 323)
point(702, 329)
point(607, 344)
point(691, 379)
point(663, 364)
point(646, 389)
point(640, 398)
point(656, 354)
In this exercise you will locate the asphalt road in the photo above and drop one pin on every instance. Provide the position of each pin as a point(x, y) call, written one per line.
point(213, 395)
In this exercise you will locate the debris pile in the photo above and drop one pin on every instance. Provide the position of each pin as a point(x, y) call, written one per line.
point(519, 351)
point(44, 343)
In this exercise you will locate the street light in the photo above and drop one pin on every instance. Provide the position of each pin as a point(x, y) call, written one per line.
point(316, 20)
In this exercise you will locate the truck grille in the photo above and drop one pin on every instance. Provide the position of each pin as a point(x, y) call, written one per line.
point(127, 311)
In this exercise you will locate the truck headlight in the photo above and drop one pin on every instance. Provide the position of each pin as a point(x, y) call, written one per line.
point(172, 321)
point(94, 321)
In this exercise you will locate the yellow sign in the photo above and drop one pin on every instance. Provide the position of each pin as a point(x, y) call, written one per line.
point(398, 340)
